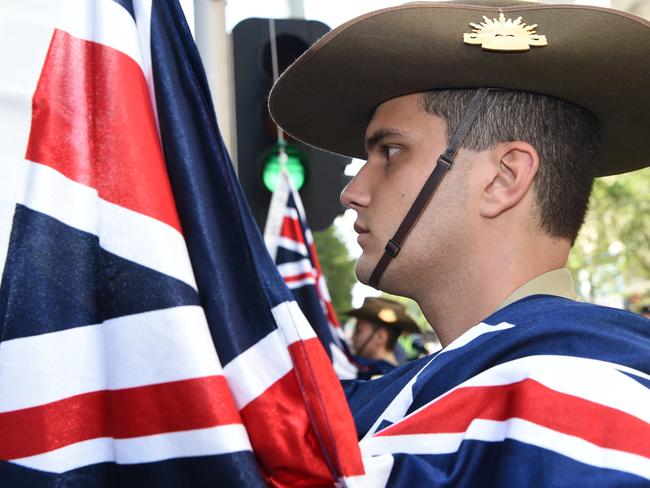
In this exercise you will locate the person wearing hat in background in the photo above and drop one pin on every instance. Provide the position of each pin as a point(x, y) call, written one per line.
point(645, 311)
point(483, 125)
point(380, 322)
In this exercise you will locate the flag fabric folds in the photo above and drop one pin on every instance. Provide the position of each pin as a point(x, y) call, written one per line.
point(290, 243)
point(145, 334)
point(147, 338)
point(544, 392)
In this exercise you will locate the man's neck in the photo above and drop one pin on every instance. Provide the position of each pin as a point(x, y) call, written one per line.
point(479, 290)
point(384, 354)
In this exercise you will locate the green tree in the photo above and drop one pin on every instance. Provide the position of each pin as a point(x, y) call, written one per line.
point(338, 267)
point(611, 253)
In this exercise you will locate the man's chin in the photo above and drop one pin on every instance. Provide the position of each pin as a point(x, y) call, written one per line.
point(363, 270)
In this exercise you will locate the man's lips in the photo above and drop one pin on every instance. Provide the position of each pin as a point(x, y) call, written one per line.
point(362, 231)
point(359, 229)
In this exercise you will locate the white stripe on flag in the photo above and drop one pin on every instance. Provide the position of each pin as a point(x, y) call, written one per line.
point(296, 268)
point(121, 231)
point(377, 472)
point(344, 369)
point(399, 405)
point(142, 12)
point(103, 21)
point(292, 245)
point(292, 322)
point(120, 353)
point(300, 283)
point(322, 288)
point(413, 444)
point(275, 216)
point(200, 442)
point(516, 429)
point(247, 380)
point(291, 213)
point(474, 333)
point(309, 238)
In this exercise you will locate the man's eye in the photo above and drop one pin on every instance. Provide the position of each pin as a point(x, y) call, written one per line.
point(390, 151)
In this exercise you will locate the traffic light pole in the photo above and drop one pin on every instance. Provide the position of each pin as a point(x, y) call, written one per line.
point(215, 47)
point(296, 9)
point(260, 53)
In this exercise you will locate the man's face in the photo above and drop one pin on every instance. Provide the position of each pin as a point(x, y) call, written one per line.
point(365, 340)
point(403, 143)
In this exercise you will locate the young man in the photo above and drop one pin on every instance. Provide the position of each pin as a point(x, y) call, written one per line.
point(380, 322)
point(483, 125)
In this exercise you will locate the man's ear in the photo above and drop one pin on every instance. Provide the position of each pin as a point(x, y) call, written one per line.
point(514, 167)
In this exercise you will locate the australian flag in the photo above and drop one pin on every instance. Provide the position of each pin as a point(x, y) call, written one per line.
point(146, 337)
point(291, 244)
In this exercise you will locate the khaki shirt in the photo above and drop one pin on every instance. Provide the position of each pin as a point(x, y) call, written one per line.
point(557, 282)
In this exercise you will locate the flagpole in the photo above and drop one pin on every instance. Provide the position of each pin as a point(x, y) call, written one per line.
point(282, 154)
point(215, 47)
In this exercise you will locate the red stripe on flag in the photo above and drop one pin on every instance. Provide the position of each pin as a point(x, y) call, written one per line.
point(281, 428)
point(327, 405)
point(291, 228)
point(154, 409)
point(303, 276)
point(530, 400)
point(92, 121)
point(331, 313)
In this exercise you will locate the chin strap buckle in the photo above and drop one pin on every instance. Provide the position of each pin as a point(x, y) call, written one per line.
point(446, 159)
point(392, 248)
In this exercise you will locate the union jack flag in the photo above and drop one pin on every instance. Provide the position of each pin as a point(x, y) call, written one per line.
point(146, 337)
point(545, 392)
point(290, 243)
point(145, 334)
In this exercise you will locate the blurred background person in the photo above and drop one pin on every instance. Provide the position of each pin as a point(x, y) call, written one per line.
point(644, 311)
point(380, 322)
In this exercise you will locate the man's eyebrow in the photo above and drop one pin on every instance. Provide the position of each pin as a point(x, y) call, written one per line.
point(377, 136)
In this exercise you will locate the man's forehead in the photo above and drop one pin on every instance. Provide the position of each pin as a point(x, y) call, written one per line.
point(397, 105)
point(399, 116)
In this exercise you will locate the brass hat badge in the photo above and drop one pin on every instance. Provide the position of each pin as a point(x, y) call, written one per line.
point(504, 35)
point(387, 315)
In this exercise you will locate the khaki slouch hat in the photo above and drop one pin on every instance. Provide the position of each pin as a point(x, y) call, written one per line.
point(593, 57)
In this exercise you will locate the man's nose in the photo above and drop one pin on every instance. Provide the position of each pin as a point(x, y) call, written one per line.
point(357, 193)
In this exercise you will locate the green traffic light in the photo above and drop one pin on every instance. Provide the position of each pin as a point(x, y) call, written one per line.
point(295, 165)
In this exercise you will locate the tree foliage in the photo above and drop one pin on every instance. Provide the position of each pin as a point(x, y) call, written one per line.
point(611, 252)
point(338, 267)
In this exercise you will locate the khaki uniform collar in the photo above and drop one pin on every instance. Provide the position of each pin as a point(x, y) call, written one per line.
point(557, 282)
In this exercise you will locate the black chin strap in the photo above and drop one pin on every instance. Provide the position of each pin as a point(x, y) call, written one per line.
point(444, 163)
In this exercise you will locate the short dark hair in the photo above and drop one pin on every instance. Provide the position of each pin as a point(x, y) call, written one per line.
point(566, 137)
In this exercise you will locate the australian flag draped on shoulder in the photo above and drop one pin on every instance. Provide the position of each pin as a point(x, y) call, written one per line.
point(291, 244)
point(146, 337)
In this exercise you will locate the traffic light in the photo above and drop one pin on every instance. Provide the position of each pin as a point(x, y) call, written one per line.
point(321, 173)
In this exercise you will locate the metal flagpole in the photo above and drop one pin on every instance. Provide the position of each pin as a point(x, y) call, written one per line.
point(282, 155)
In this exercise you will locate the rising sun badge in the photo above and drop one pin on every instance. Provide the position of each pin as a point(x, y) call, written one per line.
point(504, 35)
